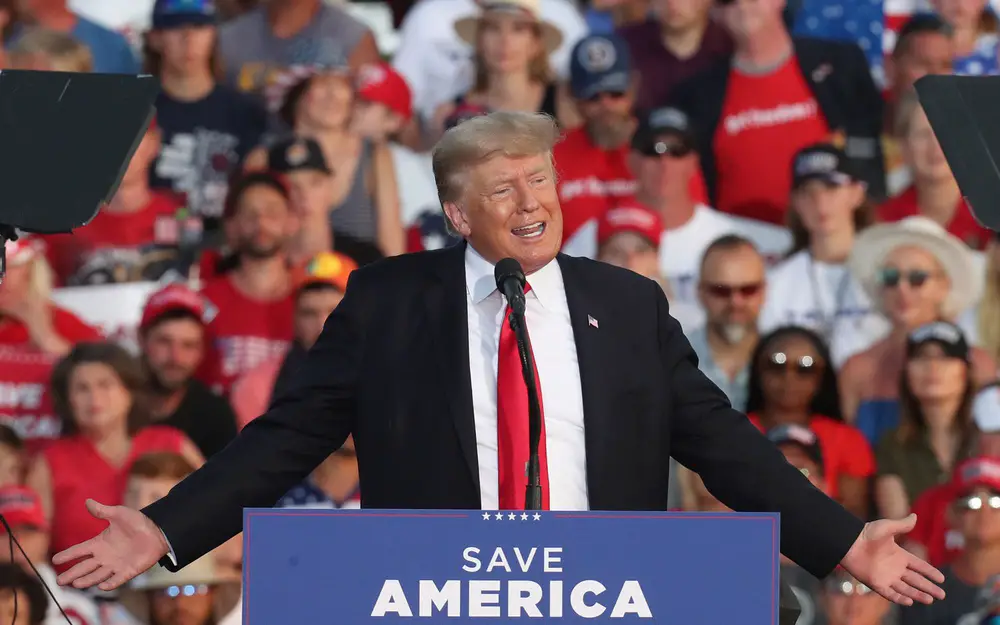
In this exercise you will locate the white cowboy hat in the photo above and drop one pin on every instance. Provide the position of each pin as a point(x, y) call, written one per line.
point(201, 572)
point(468, 27)
point(876, 243)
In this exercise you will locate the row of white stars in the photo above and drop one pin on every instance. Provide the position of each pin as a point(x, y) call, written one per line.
point(510, 516)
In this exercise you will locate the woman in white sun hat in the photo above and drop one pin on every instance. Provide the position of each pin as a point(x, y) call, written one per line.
point(915, 273)
point(512, 44)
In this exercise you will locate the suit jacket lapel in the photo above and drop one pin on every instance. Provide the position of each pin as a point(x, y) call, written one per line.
point(447, 313)
point(585, 313)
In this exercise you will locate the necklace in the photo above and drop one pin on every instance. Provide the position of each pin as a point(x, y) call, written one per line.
point(827, 321)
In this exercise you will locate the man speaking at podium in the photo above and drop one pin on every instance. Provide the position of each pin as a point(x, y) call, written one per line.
point(419, 364)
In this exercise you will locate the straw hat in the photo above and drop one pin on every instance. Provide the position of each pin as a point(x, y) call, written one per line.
point(876, 243)
point(201, 572)
point(468, 27)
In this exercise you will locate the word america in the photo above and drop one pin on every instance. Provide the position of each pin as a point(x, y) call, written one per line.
point(517, 597)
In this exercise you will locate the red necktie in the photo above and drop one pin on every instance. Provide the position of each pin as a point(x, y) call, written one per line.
point(512, 424)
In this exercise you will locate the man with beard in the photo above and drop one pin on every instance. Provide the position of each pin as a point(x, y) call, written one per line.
point(250, 307)
point(592, 160)
point(172, 340)
point(731, 292)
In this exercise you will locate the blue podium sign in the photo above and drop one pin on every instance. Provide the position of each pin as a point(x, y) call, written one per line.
point(362, 567)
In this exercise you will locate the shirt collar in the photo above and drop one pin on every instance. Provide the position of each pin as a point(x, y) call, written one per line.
point(481, 283)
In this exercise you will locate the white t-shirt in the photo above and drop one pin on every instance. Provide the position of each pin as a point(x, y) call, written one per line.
point(437, 64)
point(80, 608)
point(415, 180)
point(681, 248)
point(824, 298)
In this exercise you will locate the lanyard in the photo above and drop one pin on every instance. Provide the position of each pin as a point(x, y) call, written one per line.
point(827, 322)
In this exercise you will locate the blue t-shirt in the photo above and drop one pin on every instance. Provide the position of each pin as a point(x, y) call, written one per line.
point(203, 143)
point(110, 51)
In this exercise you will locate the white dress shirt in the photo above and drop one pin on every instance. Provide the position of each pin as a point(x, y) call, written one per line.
point(554, 346)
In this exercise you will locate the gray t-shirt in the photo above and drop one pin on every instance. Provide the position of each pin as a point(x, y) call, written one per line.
point(252, 55)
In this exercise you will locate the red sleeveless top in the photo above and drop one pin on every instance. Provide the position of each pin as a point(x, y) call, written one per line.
point(79, 473)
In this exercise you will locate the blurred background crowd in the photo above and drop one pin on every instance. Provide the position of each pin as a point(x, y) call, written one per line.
point(766, 161)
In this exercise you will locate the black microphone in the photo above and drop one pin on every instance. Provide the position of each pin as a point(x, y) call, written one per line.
point(510, 281)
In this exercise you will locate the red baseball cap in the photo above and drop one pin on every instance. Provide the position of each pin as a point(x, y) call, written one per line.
point(22, 508)
point(379, 82)
point(172, 297)
point(981, 471)
point(630, 218)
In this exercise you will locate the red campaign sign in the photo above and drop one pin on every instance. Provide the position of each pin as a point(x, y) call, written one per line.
point(25, 398)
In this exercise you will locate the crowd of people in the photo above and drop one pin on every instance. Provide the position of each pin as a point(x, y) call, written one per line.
point(786, 191)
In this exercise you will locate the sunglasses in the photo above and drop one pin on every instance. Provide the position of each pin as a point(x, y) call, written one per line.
point(726, 291)
point(890, 277)
point(674, 149)
point(847, 587)
point(187, 590)
point(611, 95)
point(979, 502)
point(779, 362)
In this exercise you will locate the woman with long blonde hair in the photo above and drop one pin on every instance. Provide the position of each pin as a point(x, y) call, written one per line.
point(512, 44)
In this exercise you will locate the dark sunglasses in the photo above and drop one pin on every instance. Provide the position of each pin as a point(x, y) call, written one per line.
point(779, 362)
point(676, 149)
point(611, 95)
point(847, 587)
point(890, 277)
point(979, 502)
point(726, 291)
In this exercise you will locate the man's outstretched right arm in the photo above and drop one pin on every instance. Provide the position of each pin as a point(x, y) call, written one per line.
point(276, 451)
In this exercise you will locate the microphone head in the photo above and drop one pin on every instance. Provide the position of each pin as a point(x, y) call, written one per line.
point(506, 269)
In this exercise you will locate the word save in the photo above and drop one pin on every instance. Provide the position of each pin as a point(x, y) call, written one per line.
point(513, 598)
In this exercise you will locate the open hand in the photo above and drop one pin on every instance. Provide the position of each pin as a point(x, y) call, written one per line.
point(878, 562)
point(130, 545)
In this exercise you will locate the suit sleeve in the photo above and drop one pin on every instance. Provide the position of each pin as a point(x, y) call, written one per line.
point(274, 452)
point(740, 466)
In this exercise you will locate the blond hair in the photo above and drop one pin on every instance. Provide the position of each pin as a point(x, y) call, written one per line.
point(477, 140)
point(61, 50)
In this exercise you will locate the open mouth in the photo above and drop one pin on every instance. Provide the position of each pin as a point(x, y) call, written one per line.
point(531, 231)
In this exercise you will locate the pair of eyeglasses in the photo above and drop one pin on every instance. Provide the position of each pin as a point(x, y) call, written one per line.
point(611, 95)
point(779, 362)
point(673, 149)
point(890, 277)
point(979, 502)
point(848, 587)
point(187, 590)
point(727, 291)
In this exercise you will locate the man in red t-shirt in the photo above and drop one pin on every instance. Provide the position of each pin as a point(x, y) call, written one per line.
point(251, 307)
point(592, 160)
point(934, 192)
point(133, 238)
point(773, 97)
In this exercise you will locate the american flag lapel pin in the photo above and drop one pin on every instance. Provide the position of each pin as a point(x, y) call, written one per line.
point(591, 321)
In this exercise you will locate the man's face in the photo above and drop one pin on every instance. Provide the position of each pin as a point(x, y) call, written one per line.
point(34, 541)
point(145, 154)
point(311, 310)
point(926, 53)
point(848, 602)
point(677, 16)
point(374, 120)
point(186, 47)
point(312, 193)
point(746, 18)
point(978, 515)
point(731, 290)
point(262, 223)
point(509, 207)
point(923, 152)
point(173, 349)
point(142, 491)
point(608, 118)
point(667, 175)
point(184, 609)
point(633, 252)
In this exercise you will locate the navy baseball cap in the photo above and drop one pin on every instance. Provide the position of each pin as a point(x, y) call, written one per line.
point(600, 64)
point(822, 161)
point(179, 13)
